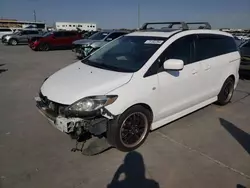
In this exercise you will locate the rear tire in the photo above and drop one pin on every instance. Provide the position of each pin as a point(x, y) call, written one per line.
point(226, 92)
point(13, 42)
point(130, 130)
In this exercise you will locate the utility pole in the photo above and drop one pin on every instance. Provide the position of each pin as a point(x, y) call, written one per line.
point(34, 14)
point(139, 15)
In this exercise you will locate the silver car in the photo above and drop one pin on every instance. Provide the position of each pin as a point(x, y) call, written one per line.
point(84, 47)
point(20, 37)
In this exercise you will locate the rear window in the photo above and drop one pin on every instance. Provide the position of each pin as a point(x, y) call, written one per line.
point(209, 45)
point(5, 30)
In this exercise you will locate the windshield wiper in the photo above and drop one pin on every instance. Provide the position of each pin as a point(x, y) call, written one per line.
point(105, 66)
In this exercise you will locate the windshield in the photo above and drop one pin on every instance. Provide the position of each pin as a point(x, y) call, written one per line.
point(125, 54)
point(99, 36)
point(47, 34)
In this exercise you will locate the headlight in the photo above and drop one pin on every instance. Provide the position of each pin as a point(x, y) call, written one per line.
point(7, 37)
point(90, 104)
point(86, 45)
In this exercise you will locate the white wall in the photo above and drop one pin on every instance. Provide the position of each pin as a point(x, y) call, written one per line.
point(73, 26)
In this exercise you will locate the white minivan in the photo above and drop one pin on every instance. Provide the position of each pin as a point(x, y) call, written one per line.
point(140, 82)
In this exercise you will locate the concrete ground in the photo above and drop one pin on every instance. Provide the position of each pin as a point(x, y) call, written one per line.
point(209, 148)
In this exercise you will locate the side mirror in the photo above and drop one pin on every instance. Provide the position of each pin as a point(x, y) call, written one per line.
point(173, 64)
point(109, 39)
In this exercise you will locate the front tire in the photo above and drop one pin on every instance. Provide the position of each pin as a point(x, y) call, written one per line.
point(131, 129)
point(226, 92)
point(44, 47)
point(13, 42)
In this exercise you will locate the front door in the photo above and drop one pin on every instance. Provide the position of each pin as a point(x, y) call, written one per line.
point(179, 90)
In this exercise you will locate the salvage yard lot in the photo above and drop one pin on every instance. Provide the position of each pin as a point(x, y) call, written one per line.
point(208, 148)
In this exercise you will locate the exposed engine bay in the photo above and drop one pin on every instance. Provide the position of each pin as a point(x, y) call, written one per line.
point(91, 128)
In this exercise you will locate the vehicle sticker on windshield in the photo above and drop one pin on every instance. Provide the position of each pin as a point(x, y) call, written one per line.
point(154, 42)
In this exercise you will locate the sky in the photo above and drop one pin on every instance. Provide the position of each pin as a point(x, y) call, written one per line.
point(124, 13)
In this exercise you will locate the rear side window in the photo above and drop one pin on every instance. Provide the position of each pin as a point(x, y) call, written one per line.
point(59, 34)
point(5, 30)
point(208, 46)
point(69, 34)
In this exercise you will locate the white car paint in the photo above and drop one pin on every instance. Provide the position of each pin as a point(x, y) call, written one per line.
point(77, 80)
point(170, 96)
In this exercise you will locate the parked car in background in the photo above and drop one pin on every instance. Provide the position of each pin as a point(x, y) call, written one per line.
point(238, 41)
point(54, 40)
point(20, 37)
point(88, 34)
point(84, 47)
point(245, 58)
point(5, 31)
point(140, 82)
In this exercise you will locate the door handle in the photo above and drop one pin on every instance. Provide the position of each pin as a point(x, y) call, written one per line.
point(194, 71)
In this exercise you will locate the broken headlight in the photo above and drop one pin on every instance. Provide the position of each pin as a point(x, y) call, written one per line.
point(93, 103)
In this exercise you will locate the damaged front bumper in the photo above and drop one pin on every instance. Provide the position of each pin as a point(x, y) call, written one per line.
point(95, 125)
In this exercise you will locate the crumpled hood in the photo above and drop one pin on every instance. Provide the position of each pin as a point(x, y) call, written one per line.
point(84, 41)
point(79, 80)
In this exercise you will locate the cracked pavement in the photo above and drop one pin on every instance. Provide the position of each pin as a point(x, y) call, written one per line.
point(208, 148)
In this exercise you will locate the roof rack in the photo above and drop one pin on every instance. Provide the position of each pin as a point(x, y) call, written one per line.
point(171, 24)
point(203, 25)
point(184, 25)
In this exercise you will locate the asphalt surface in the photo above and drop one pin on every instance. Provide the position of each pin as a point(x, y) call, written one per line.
point(208, 148)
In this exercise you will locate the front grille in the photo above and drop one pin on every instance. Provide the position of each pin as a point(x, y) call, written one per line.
point(52, 107)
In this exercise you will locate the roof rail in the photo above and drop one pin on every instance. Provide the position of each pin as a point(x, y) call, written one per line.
point(203, 25)
point(171, 24)
point(184, 25)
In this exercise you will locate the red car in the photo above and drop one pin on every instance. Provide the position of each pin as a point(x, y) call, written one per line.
point(54, 40)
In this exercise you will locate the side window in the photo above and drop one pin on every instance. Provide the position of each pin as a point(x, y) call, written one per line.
point(33, 32)
point(182, 48)
point(59, 34)
point(209, 46)
point(70, 34)
point(115, 35)
point(25, 32)
point(5, 30)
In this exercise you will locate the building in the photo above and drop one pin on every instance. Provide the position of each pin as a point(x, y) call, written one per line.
point(15, 24)
point(74, 26)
